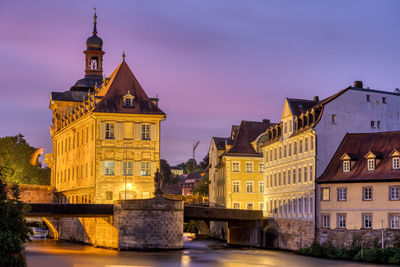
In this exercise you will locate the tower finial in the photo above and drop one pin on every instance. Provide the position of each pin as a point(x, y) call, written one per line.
point(95, 22)
point(123, 56)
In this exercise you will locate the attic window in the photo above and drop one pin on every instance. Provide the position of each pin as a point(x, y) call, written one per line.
point(128, 100)
point(346, 166)
point(396, 163)
point(371, 165)
point(128, 103)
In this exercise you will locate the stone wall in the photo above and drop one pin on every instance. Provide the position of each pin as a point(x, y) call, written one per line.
point(288, 234)
point(155, 223)
point(342, 237)
point(37, 193)
point(219, 230)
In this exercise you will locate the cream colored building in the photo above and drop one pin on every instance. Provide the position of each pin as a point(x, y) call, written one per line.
point(236, 168)
point(105, 134)
point(359, 192)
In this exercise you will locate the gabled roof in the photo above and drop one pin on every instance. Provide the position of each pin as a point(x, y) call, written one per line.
point(248, 132)
point(382, 144)
point(220, 142)
point(121, 81)
point(298, 106)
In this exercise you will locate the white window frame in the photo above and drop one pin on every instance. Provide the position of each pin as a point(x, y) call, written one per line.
point(235, 166)
point(394, 221)
point(367, 224)
point(346, 166)
point(367, 193)
point(127, 168)
point(371, 165)
point(235, 186)
point(145, 168)
point(249, 167)
point(249, 186)
point(396, 163)
point(234, 204)
point(341, 221)
point(109, 129)
point(342, 194)
point(261, 187)
point(261, 206)
point(250, 204)
point(145, 132)
point(325, 193)
point(394, 192)
point(109, 167)
point(326, 221)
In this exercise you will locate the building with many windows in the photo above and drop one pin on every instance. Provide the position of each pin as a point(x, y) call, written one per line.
point(359, 192)
point(298, 149)
point(105, 134)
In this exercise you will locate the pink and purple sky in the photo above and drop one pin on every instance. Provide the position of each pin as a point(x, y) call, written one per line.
point(213, 63)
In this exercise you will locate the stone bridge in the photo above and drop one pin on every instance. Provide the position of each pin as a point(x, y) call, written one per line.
point(115, 225)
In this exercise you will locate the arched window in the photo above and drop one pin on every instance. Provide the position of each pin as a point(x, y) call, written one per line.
point(94, 63)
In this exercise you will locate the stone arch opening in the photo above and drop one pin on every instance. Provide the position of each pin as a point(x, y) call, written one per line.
point(53, 230)
point(270, 234)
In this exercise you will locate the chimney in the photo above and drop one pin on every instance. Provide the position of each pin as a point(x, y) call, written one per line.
point(316, 98)
point(358, 84)
point(266, 121)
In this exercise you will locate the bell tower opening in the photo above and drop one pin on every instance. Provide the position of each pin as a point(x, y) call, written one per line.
point(94, 53)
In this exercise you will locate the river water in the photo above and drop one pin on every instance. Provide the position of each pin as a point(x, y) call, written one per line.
point(52, 253)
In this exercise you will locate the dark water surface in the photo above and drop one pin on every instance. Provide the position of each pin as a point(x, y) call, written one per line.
point(52, 253)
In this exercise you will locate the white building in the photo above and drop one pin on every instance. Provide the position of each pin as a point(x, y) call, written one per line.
point(299, 148)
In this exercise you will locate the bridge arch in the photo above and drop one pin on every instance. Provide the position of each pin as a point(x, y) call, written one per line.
point(53, 230)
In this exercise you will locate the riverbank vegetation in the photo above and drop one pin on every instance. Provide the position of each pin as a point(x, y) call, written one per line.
point(356, 252)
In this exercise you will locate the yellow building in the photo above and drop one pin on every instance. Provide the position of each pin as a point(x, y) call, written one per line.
point(105, 134)
point(236, 168)
point(359, 192)
point(176, 171)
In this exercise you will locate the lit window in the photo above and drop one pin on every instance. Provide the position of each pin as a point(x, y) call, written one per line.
point(261, 186)
point(127, 168)
point(341, 221)
point(371, 164)
point(249, 186)
point(261, 167)
point(109, 131)
point(250, 206)
point(236, 205)
point(394, 221)
point(325, 193)
point(396, 163)
point(235, 187)
point(367, 220)
point(346, 166)
point(145, 132)
point(342, 194)
point(394, 192)
point(325, 221)
point(145, 169)
point(249, 167)
point(367, 193)
point(109, 167)
point(235, 166)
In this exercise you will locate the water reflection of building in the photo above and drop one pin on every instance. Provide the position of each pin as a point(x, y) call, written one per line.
point(105, 134)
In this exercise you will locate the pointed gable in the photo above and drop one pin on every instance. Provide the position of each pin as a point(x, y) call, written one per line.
point(287, 111)
point(119, 84)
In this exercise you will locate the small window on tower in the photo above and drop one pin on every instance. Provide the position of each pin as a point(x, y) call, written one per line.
point(94, 63)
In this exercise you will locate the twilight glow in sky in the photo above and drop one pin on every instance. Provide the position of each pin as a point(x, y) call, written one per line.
point(213, 63)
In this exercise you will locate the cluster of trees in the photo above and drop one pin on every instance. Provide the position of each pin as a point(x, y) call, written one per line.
point(14, 232)
point(188, 167)
point(15, 155)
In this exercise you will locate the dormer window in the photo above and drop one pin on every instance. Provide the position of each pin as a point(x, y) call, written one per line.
point(346, 166)
point(128, 100)
point(371, 165)
point(396, 163)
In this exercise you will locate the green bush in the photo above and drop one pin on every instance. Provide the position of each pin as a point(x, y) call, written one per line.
point(395, 259)
point(14, 232)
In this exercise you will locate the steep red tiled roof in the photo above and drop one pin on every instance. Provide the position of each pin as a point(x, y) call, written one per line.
point(248, 132)
point(121, 81)
point(357, 146)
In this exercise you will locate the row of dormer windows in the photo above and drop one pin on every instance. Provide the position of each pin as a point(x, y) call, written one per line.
point(371, 164)
point(290, 149)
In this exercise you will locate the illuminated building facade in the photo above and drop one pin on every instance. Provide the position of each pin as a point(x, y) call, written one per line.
point(105, 134)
